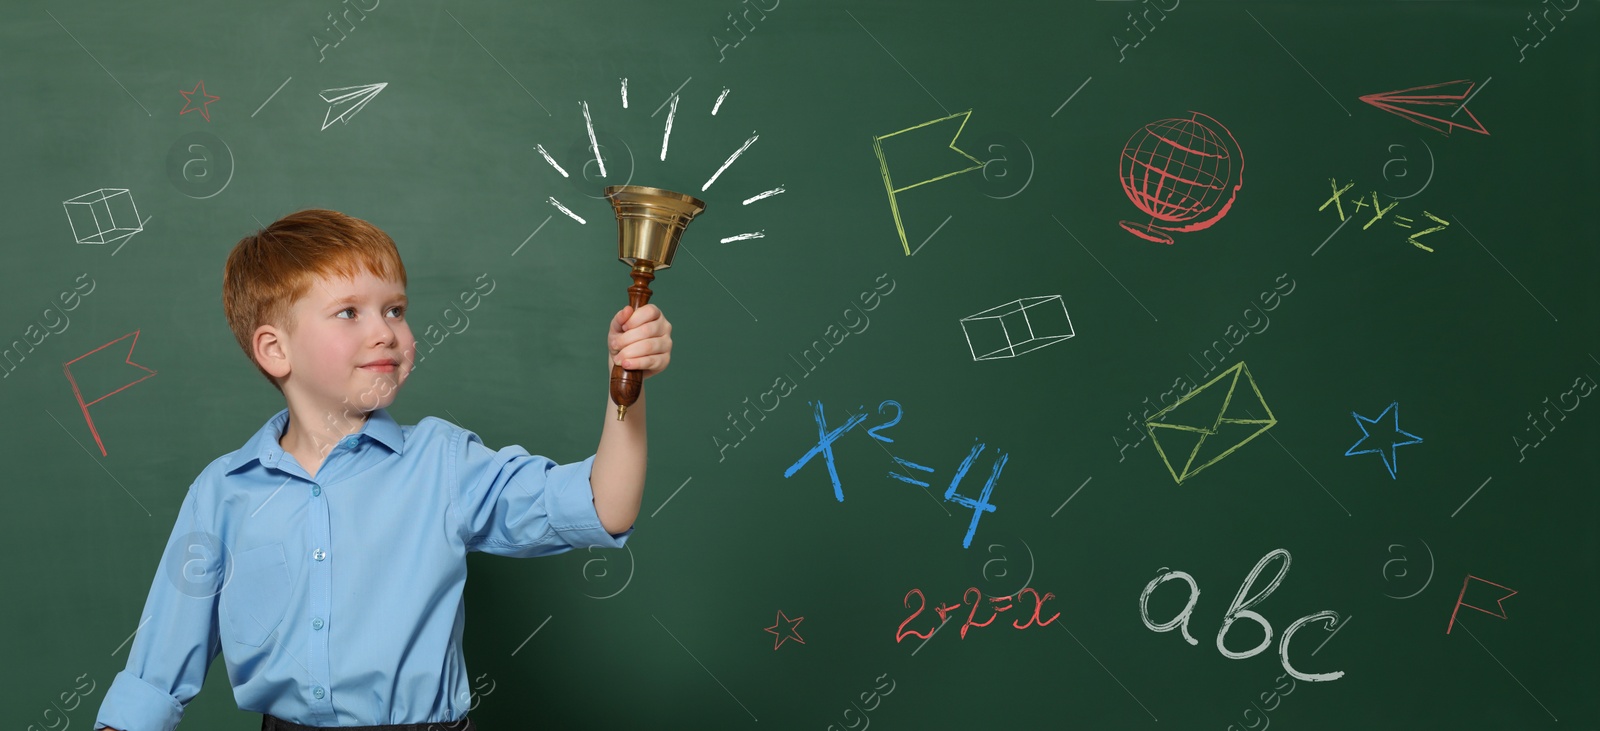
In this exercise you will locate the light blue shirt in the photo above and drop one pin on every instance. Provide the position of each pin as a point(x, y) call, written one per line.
point(336, 601)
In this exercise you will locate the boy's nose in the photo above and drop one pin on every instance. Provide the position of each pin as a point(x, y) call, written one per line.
point(385, 334)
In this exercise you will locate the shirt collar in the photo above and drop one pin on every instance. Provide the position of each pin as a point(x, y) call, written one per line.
point(263, 447)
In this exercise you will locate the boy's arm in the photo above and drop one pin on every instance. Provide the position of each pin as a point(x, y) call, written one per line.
point(617, 477)
point(511, 503)
point(178, 635)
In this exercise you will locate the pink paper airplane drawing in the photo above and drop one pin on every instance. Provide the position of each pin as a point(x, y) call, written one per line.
point(1420, 104)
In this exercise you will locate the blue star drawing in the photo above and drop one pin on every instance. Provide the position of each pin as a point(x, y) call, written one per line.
point(1387, 453)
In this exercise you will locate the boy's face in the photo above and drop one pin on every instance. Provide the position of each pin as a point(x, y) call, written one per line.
point(351, 347)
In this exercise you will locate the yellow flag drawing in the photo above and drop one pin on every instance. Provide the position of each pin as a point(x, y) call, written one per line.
point(888, 182)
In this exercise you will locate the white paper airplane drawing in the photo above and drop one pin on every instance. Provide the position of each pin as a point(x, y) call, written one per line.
point(347, 100)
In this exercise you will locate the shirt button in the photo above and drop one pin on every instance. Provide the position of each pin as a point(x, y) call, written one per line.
point(318, 692)
point(316, 490)
point(319, 554)
point(316, 623)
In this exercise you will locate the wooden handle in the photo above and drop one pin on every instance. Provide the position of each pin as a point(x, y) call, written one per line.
point(627, 384)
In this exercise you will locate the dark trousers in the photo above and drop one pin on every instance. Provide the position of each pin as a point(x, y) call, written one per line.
point(273, 723)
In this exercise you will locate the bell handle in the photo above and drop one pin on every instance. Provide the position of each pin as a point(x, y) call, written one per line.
point(626, 384)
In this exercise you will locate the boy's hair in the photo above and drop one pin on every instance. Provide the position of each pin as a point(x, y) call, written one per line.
point(269, 270)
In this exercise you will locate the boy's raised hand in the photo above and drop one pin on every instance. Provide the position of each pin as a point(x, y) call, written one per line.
point(640, 340)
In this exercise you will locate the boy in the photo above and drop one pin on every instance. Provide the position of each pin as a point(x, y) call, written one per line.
point(326, 558)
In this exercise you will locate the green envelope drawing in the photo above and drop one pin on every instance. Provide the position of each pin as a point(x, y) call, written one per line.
point(1209, 423)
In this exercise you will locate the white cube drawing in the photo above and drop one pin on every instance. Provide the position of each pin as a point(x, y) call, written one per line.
point(103, 216)
point(1017, 327)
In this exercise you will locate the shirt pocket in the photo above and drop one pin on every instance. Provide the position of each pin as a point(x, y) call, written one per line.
point(255, 599)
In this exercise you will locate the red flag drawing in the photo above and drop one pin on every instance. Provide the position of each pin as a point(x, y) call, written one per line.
point(1483, 595)
point(1420, 104)
point(99, 367)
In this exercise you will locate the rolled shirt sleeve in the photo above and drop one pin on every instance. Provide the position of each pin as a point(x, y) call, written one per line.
point(178, 635)
point(511, 503)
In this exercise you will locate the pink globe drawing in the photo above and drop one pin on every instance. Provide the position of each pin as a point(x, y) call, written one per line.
point(1183, 173)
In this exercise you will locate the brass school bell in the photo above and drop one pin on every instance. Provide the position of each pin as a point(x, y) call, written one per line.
point(649, 224)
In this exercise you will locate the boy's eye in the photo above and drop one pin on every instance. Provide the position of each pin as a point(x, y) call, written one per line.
point(399, 310)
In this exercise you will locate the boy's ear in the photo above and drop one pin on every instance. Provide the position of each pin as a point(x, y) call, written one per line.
point(271, 351)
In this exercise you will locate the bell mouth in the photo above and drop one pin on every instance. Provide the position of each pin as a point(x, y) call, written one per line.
point(650, 222)
point(647, 194)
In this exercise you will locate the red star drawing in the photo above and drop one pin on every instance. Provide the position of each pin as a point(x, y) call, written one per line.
point(205, 107)
point(788, 631)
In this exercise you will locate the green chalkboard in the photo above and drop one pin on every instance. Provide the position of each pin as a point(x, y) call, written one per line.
point(1238, 316)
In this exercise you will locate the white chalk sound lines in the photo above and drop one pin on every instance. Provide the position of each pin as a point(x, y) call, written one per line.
point(594, 143)
point(347, 101)
point(764, 194)
point(667, 134)
point(594, 147)
point(551, 160)
point(566, 210)
point(731, 158)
